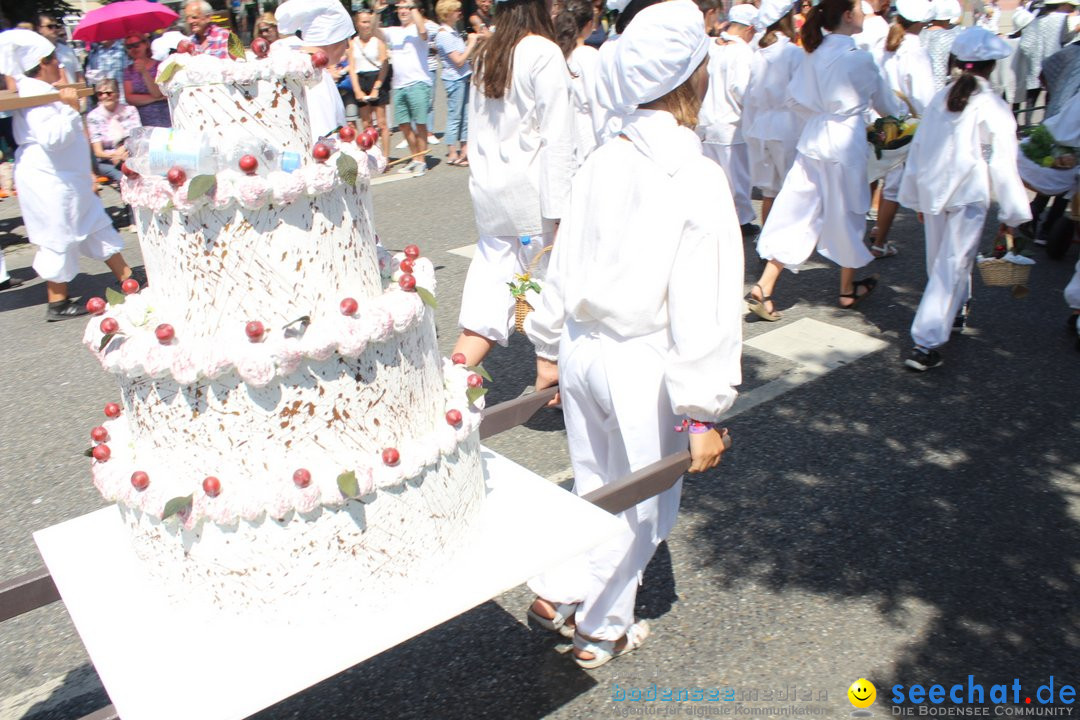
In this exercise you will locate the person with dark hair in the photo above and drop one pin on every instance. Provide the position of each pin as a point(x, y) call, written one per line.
point(825, 196)
point(770, 127)
point(640, 323)
point(521, 160)
point(140, 89)
point(572, 26)
point(963, 155)
point(53, 30)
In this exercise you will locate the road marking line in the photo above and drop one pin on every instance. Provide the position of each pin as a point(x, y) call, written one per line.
point(465, 251)
point(80, 681)
point(383, 179)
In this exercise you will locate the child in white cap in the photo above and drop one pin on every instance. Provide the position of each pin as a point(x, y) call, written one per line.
point(949, 179)
point(642, 313)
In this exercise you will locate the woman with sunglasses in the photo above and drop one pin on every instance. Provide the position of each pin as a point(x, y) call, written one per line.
point(109, 125)
point(140, 90)
point(266, 28)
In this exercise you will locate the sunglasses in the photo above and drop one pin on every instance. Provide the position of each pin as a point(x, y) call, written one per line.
point(50, 26)
point(105, 93)
point(263, 31)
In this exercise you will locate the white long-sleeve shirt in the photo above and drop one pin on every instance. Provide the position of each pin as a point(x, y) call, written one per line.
point(947, 165)
point(651, 245)
point(767, 113)
point(875, 30)
point(909, 71)
point(521, 145)
point(588, 115)
point(729, 74)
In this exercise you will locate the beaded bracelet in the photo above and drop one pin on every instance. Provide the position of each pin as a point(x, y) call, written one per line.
point(694, 427)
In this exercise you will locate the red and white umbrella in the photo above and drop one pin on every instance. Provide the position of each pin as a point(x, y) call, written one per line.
point(119, 19)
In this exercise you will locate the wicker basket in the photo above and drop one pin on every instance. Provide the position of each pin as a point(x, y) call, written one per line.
point(521, 305)
point(1074, 206)
point(996, 272)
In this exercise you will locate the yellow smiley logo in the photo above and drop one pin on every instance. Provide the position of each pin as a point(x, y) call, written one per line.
point(862, 693)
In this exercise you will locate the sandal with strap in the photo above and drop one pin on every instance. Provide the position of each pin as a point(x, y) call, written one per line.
point(757, 306)
point(604, 651)
point(856, 297)
point(885, 250)
point(563, 612)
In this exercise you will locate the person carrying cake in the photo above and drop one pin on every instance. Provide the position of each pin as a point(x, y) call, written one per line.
point(325, 26)
point(640, 320)
point(63, 215)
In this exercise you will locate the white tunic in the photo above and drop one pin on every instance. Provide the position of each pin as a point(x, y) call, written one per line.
point(520, 145)
point(875, 29)
point(767, 113)
point(947, 166)
point(52, 172)
point(325, 108)
point(588, 115)
point(729, 74)
point(909, 71)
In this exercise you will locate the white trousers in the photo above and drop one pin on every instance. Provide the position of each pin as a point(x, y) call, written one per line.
point(605, 580)
point(770, 161)
point(736, 165)
point(891, 189)
point(1072, 290)
point(952, 242)
point(4, 277)
point(62, 267)
point(487, 307)
point(813, 211)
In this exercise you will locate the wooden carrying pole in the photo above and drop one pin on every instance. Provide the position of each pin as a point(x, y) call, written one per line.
point(12, 101)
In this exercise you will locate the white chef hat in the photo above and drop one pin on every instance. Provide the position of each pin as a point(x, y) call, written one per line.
point(22, 50)
point(659, 51)
point(974, 44)
point(320, 22)
point(771, 11)
point(1022, 18)
point(947, 10)
point(915, 10)
point(161, 47)
point(744, 14)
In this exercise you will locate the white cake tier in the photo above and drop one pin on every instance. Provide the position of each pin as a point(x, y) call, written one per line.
point(264, 98)
point(361, 550)
point(214, 268)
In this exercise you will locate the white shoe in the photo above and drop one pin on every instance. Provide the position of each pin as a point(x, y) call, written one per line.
point(419, 168)
point(402, 145)
point(405, 169)
point(432, 140)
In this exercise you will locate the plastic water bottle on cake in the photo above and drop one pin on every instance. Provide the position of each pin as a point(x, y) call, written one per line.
point(154, 150)
point(267, 157)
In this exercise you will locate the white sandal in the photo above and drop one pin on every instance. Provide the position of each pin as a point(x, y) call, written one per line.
point(557, 623)
point(603, 651)
point(883, 251)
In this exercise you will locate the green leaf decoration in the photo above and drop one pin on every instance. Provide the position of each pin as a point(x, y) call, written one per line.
point(113, 297)
point(167, 72)
point(201, 185)
point(479, 370)
point(427, 297)
point(348, 485)
point(88, 452)
point(475, 394)
point(176, 505)
point(346, 169)
point(236, 47)
point(105, 341)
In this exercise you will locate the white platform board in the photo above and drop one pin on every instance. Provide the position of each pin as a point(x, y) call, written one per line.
point(160, 661)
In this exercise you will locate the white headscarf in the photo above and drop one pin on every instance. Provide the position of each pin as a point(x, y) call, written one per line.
point(163, 46)
point(947, 10)
point(771, 11)
point(659, 51)
point(744, 14)
point(320, 22)
point(975, 44)
point(915, 10)
point(22, 50)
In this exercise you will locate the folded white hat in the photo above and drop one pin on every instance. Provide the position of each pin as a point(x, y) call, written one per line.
point(974, 44)
point(915, 10)
point(1022, 18)
point(161, 47)
point(617, 5)
point(947, 10)
point(22, 50)
point(657, 53)
point(320, 22)
point(771, 11)
point(744, 14)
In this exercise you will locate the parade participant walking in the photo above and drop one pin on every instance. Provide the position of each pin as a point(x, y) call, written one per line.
point(324, 25)
point(950, 181)
point(938, 38)
point(875, 29)
point(140, 89)
point(520, 156)
point(64, 217)
point(411, 81)
point(369, 70)
point(642, 313)
point(572, 26)
point(825, 197)
point(206, 37)
point(720, 126)
point(770, 127)
point(454, 53)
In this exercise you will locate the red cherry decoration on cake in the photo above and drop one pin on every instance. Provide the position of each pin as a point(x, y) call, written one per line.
point(347, 133)
point(140, 480)
point(184, 46)
point(458, 358)
point(112, 410)
point(406, 265)
point(349, 306)
point(101, 452)
point(412, 251)
point(130, 286)
point(475, 381)
point(391, 456)
point(128, 170)
point(365, 142)
point(319, 59)
point(109, 326)
point(99, 434)
point(372, 132)
point(211, 486)
point(321, 152)
point(453, 417)
point(254, 330)
point(302, 478)
point(165, 333)
point(176, 176)
point(260, 47)
point(248, 164)
point(95, 305)
point(407, 282)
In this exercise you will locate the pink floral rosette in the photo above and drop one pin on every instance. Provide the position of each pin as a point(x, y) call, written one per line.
point(255, 366)
point(253, 191)
point(286, 187)
point(319, 178)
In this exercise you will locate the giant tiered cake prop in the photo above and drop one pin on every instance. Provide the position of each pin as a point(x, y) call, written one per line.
point(286, 426)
